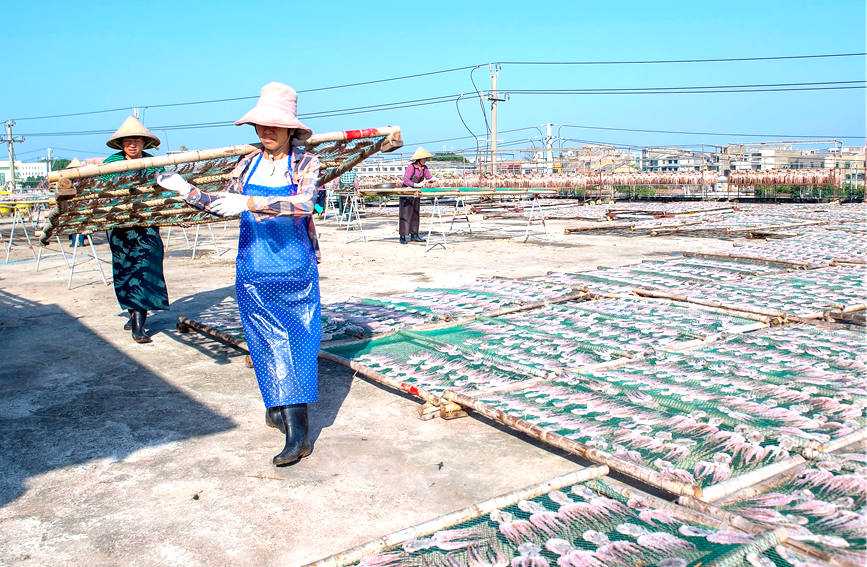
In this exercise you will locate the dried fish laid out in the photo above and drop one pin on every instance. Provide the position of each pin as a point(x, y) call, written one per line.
point(631, 325)
point(540, 342)
point(661, 274)
point(849, 212)
point(681, 442)
point(815, 357)
point(741, 221)
point(696, 267)
point(814, 248)
point(421, 361)
point(808, 294)
point(738, 396)
point(600, 283)
point(596, 523)
point(821, 505)
point(361, 318)
point(853, 227)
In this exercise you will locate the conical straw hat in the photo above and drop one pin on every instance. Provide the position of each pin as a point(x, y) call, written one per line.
point(73, 163)
point(420, 153)
point(132, 128)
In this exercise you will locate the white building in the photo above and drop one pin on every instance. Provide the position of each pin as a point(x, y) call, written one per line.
point(23, 171)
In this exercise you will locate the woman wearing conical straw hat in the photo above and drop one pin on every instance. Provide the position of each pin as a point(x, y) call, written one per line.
point(277, 277)
point(136, 253)
point(416, 173)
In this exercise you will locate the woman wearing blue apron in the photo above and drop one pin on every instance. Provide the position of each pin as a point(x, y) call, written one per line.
point(277, 278)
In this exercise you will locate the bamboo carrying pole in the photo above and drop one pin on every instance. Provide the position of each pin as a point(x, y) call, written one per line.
point(200, 155)
point(641, 473)
point(448, 520)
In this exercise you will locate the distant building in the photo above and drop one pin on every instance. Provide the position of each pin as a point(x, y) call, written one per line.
point(23, 171)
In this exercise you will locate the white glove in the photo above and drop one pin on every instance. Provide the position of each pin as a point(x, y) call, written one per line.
point(174, 182)
point(229, 204)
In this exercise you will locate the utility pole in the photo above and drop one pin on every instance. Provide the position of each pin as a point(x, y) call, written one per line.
point(48, 162)
point(494, 70)
point(11, 140)
point(548, 144)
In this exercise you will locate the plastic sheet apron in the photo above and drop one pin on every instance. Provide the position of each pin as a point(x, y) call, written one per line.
point(277, 286)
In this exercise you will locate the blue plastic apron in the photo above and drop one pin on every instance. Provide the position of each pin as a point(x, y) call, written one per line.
point(277, 286)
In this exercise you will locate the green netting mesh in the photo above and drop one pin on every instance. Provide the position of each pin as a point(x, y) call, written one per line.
point(807, 294)
point(699, 416)
point(588, 524)
point(821, 506)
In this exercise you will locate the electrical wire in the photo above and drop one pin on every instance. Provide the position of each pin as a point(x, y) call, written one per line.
point(313, 115)
point(482, 107)
point(455, 69)
point(701, 133)
point(760, 87)
point(671, 61)
point(457, 107)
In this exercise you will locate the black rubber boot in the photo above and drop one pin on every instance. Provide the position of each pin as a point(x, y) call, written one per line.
point(404, 239)
point(137, 326)
point(416, 238)
point(274, 419)
point(297, 435)
point(128, 325)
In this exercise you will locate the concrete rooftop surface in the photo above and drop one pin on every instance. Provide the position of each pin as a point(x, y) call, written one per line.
point(118, 453)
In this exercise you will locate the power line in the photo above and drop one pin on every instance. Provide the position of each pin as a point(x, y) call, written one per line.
point(783, 87)
point(703, 133)
point(667, 61)
point(761, 87)
point(312, 115)
point(455, 69)
point(234, 99)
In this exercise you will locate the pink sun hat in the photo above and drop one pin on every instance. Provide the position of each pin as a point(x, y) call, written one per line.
point(277, 106)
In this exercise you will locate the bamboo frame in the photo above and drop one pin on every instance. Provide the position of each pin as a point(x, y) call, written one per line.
point(840, 442)
point(382, 378)
point(719, 490)
point(682, 512)
point(643, 474)
point(445, 521)
point(513, 365)
point(761, 544)
point(612, 226)
point(745, 525)
point(746, 309)
point(449, 192)
point(781, 263)
point(762, 486)
point(201, 155)
point(346, 149)
point(211, 332)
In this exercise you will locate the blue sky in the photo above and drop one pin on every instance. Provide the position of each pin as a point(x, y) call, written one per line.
point(68, 58)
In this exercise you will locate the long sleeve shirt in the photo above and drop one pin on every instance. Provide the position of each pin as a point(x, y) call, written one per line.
point(305, 172)
point(415, 174)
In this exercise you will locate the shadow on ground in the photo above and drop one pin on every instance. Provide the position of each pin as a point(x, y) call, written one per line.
point(219, 306)
point(67, 397)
